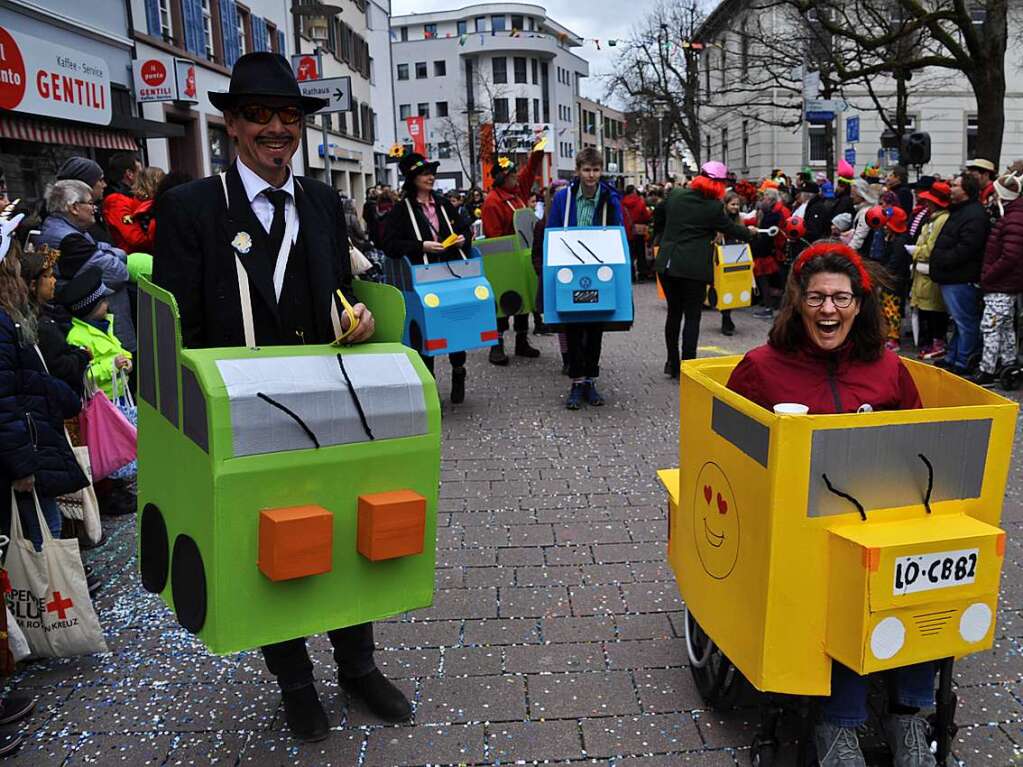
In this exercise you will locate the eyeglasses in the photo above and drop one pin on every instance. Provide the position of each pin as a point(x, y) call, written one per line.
point(90, 203)
point(261, 114)
point(838, 300)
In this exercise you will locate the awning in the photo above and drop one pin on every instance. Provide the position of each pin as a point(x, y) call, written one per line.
point(146, 128)
point(27, 129)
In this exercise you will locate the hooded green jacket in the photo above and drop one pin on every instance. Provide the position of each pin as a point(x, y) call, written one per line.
point(688, 223)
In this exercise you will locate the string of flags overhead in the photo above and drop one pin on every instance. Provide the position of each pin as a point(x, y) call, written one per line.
point(464, 37)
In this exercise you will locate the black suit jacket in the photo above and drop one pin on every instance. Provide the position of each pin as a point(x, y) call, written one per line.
point(195, 261)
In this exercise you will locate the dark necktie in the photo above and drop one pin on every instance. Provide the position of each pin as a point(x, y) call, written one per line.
point(277, 198)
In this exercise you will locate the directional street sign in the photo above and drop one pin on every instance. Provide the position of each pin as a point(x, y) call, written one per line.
point(850, 156)
point(852, 129)
point(819, 117)
point(337, 89)
point(825, 105)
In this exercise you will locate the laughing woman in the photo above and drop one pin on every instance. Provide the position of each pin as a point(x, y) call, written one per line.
point(826, 351)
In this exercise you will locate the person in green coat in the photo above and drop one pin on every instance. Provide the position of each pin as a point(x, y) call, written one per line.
point(92, 327)
point(685, 226)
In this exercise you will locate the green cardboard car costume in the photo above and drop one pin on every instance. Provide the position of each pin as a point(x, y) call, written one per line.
point(270, 504)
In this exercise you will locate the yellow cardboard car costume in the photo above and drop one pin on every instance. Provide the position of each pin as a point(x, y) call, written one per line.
point(868, 538)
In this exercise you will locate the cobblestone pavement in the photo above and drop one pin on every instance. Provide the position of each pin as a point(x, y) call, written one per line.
point(555, 631)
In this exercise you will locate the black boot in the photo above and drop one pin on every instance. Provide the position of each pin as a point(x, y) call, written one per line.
point(383, 698)
point(671, 368)
point(304, 714)
point(497, 355)
point(458, 384)
point(522, 347)
point(727, 326)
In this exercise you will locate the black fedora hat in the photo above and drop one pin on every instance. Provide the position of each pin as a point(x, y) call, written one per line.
point(413, 164)
point(264, 74)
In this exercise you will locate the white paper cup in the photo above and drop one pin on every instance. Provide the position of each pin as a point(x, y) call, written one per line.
point(791, 408)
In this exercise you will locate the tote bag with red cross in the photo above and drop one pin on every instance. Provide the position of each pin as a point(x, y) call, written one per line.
point(49, 597)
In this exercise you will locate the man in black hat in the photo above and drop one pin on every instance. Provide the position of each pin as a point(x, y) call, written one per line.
point(815, 214)
point(254, 256)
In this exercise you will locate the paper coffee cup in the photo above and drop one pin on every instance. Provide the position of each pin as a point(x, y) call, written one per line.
point(791, 408)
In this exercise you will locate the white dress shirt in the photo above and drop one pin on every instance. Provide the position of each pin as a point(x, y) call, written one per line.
point(255, 186)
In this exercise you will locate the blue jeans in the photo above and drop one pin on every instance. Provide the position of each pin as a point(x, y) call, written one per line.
point(847, 704)
point(30, 522)
point(963, 303)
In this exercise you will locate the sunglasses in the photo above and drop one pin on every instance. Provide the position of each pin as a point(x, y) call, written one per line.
point(262, 114)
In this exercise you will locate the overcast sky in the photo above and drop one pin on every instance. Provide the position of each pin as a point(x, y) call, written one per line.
point(603, 19)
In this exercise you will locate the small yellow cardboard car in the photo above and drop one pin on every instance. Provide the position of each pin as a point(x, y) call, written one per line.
point(867, 538)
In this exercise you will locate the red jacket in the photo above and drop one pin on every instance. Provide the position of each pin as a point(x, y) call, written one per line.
point(634, 207)
point(122, 213)
point(500, 206)
point(1002, 271)
point(825, 382)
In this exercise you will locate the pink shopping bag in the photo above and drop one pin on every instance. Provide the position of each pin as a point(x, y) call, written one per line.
point(111, 438)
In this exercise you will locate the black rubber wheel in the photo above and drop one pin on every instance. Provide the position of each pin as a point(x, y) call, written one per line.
point(719, 681)
point(188, 584)
point(511, 302)
point(1011, 377)
point(154, 550)
point(415, 336)
point(764, 753)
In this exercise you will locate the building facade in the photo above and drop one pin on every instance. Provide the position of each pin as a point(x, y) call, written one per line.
point(211, 35)
point(603, 128)
point(508, 65)
point(65, 88)
point(345, 52)
point(939, 104)
point(381, 87)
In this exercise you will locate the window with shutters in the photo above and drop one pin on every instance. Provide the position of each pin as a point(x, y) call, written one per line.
point(243, 32)
point(207, 30)
point(356, 127)
point(166, 20)
point(367, 116)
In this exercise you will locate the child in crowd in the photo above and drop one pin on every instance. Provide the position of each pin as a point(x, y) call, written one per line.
point(587, 201)
point(64, 361)
point(897, 262)
point(92, 327)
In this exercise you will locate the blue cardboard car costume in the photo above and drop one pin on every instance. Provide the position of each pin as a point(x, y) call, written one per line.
point(586, 274)
point(449, 304)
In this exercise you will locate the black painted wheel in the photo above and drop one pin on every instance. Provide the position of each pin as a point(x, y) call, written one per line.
point(188, 584)
point(718, 681)
point(511, 302)
point(1011, 377)
point(415, 336)
point(154, 550)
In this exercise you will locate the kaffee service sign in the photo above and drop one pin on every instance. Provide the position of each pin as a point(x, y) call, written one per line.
point(42, 78)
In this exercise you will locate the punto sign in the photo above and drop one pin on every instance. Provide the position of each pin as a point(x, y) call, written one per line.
point(43, 78)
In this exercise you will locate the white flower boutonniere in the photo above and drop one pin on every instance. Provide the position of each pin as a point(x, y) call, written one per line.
point(242, 243)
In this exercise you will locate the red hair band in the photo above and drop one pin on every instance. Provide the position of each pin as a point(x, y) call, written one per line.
point(835, 249)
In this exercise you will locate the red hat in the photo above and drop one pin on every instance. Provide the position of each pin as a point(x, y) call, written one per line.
point(794, 228)
point(836, 249)
point(939, 193)
point(898, 221)
point(877, 217)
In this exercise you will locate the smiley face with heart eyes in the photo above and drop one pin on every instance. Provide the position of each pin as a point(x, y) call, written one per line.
point(715, 522)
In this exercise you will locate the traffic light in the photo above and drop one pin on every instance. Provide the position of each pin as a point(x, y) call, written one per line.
point(915, 149)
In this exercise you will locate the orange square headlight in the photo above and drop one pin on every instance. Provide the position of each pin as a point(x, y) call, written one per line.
point(391, 524)
point(295, 542)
